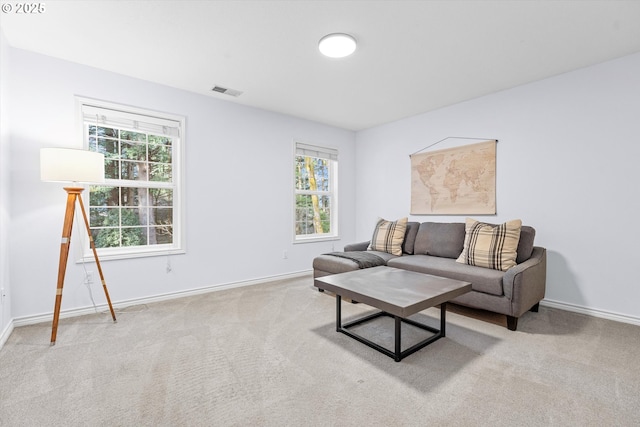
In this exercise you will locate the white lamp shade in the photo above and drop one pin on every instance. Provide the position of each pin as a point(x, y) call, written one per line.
point(70, 165)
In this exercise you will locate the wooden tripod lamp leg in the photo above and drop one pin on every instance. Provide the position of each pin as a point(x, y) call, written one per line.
point(72, 194)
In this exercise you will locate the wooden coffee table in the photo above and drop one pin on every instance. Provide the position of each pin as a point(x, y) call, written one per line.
point(398, 294)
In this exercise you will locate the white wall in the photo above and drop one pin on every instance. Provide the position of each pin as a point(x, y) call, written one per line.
point(5, 285)
point(566, 165)
point(565, 156)
point(239, 188)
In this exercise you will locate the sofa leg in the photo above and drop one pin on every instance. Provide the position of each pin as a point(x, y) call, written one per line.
point(320, 290)
point(512, 323)
point(535, 308)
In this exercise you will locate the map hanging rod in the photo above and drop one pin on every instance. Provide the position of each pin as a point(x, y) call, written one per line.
point(452, 137)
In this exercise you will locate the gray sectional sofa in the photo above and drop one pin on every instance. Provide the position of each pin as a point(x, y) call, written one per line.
point(433, 248)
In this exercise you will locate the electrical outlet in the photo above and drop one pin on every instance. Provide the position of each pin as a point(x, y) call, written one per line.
point(88, 277)
point(285, 255)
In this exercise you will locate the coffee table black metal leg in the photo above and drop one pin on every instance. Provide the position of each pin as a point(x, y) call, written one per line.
point(338, 314)
point(443, 314)
point(398, 338)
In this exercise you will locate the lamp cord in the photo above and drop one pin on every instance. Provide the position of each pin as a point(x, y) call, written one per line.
point(84, 264)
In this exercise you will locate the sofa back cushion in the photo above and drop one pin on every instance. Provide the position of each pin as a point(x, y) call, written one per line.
point(410, 237)
point(440, 239)
point(525, 245)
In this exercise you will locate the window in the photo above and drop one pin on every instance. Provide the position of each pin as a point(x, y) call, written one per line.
point(316, 177)
point(137, 211)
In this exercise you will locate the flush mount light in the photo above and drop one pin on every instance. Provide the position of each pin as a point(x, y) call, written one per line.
point(337, 45)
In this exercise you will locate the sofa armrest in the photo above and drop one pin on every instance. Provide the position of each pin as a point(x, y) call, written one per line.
point(361, 246)
point(525, 283)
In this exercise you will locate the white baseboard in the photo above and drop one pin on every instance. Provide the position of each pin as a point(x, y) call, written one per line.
point(46, 317)
point(591, 312)
point(4, 336)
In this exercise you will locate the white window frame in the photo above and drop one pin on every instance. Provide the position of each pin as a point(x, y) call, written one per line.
point(128, 113)
point(318, 151)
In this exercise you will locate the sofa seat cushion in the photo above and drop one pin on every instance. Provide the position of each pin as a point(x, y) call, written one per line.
point(334, 265)
point(484, 280)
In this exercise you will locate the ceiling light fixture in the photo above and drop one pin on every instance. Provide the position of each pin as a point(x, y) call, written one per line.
point(337, 45)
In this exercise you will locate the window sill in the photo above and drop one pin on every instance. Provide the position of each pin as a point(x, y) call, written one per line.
point(316, 239)
point(129, 255)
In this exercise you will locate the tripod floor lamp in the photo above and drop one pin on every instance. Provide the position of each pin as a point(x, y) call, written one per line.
point(75, 167)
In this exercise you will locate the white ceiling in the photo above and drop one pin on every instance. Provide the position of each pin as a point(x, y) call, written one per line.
point(413, 56)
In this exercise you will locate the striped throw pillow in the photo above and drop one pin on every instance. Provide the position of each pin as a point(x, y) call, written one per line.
point(491, 246)
point(388, 236)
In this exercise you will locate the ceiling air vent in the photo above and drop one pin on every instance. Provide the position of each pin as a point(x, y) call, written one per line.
point(226, 91)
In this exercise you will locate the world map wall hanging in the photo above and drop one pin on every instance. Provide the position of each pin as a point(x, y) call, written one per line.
point(455, 181)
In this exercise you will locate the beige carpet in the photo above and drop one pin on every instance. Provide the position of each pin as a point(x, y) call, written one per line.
point(269, 355)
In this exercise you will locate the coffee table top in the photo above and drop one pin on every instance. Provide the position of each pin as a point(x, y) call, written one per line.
point(396, 291)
